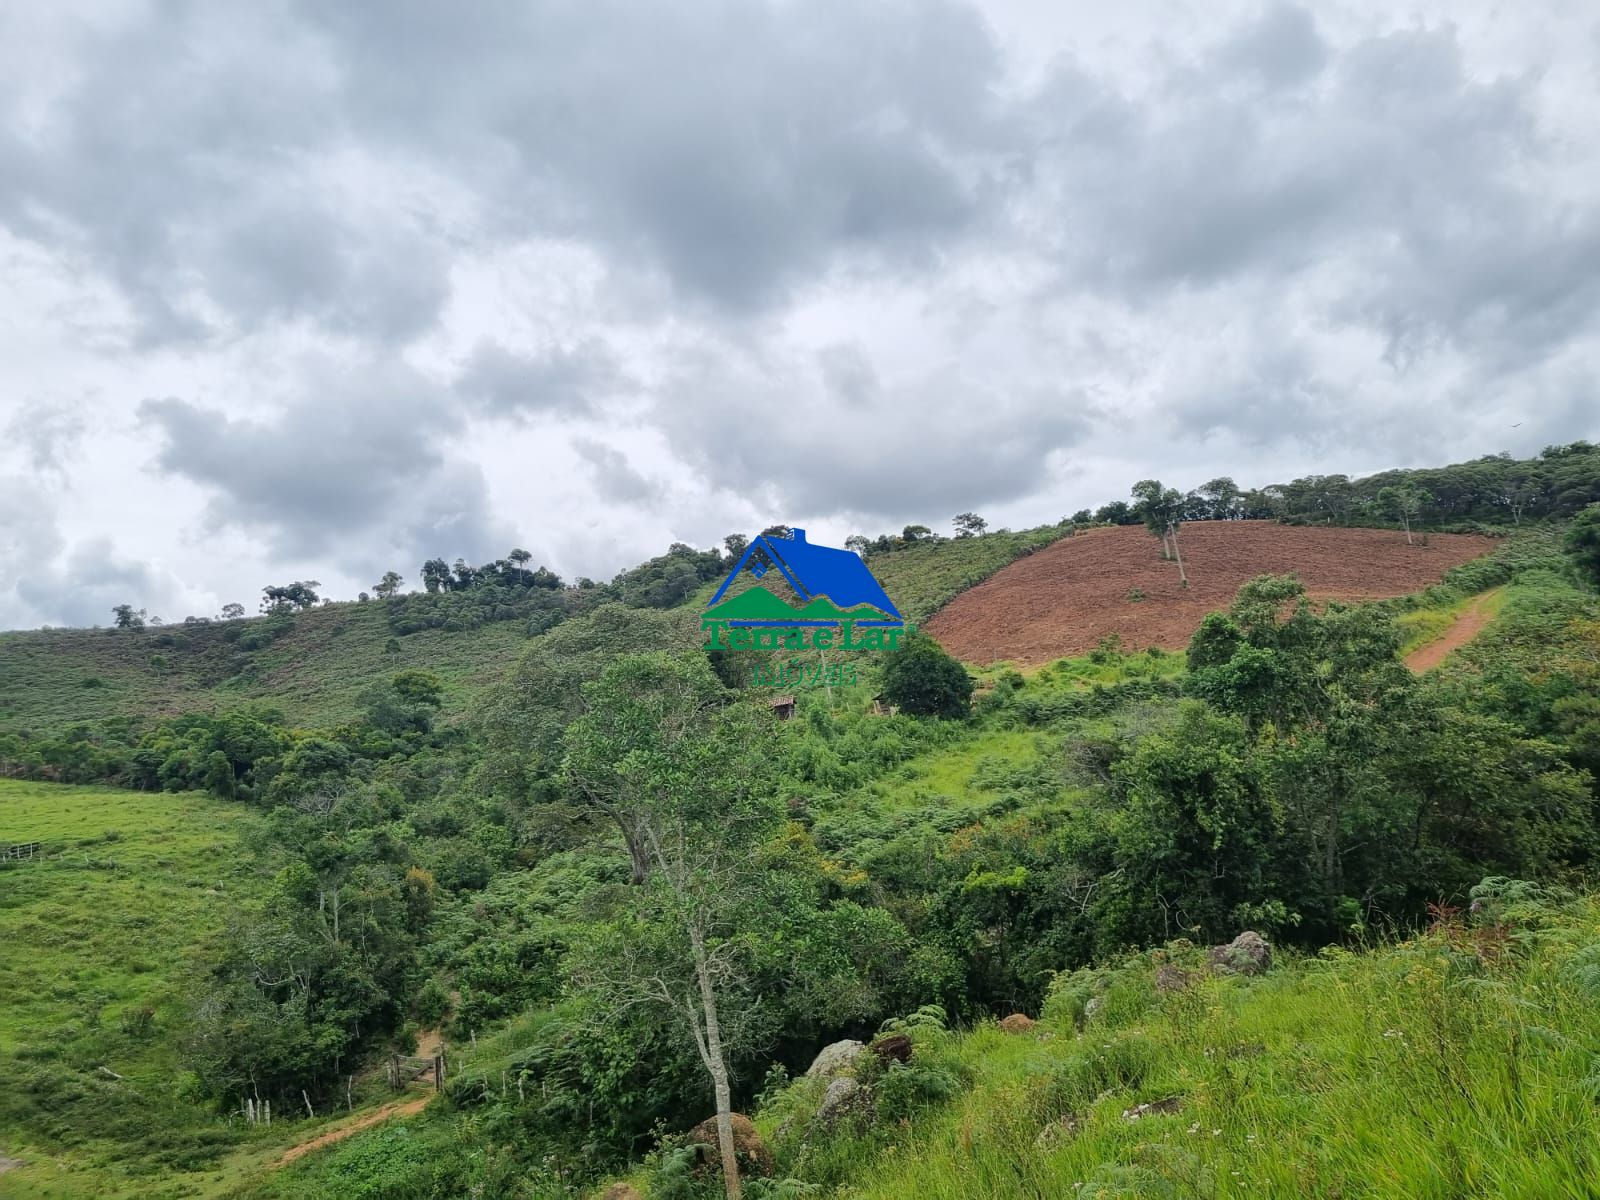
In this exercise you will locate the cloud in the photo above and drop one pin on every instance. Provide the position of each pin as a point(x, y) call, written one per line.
point(47, 433)
point(558, 380)
point(352, 454)
point(860, 263)
point(615, 479)
point(824, 437)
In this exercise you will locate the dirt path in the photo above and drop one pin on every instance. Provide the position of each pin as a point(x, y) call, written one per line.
point(400, 1108)
point(1472, 621)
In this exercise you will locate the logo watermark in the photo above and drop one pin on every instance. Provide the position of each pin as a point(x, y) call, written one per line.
point(837, 605)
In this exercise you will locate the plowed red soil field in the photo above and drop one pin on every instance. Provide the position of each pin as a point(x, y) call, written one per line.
point(1064, 599)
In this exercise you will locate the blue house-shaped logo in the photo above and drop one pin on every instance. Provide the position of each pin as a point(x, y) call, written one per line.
point(832, 586)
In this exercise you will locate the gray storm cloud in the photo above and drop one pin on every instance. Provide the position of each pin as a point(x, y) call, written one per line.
point(374, 284)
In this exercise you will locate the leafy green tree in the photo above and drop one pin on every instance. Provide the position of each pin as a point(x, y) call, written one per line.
point(1222, 498)
point(916, 533)
point(388, 586)
point(682, 774)
point(1582, 542)
point(921, 679)
point(127, 617)
point(232, 612)
point(735, 544)
point(436, 575)
point(293, 597)
point(861, 545)
point(1161, 510)
point(969, 524)
point(1404, 503)
point(1117, 512)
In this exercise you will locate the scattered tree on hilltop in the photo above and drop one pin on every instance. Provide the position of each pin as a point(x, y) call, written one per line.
point(1161, 509)
point(127, 617)
point(388, 586)
point(1403, 502)
point(969, 524)
point(293, 597)
point(232, 612)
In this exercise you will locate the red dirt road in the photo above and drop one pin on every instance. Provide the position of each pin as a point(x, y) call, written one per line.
point(1064, 599)
point(1474, 619)
point(401, 1108)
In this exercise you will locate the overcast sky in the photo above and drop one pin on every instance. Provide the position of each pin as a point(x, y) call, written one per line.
point(319, 290)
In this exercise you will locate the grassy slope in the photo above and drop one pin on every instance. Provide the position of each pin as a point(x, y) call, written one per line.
point(118, 918)
point(134, 891)
point(1415, 1071)
point(51, 678)
point(316, 671)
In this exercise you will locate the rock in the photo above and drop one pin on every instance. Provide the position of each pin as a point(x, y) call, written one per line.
point(844, 1095)
point(748, 1149)
point(1247, 954)
point(1057, 1133)
point(1155, 1108)
point(893, 1047)
point(622, 1191)
point(1016, 1023)
point(831, 1060)
point(1173, 979)
point(1092, 1008)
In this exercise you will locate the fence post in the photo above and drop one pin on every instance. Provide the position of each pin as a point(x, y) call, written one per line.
point(438, 1072)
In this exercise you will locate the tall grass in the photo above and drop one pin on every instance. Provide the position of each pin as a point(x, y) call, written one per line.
point(1464, 1063)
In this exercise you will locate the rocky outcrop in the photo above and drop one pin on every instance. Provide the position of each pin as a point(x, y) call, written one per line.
point(1247, 954)
point(834, 1059)
point(1173, 979)
point(751, 1153)
point(1016, 1023)
point(844, 1096)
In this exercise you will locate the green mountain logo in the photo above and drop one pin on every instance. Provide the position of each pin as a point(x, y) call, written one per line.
point(758, 604)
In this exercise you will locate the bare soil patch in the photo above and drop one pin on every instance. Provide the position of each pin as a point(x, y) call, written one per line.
point(400, 1108)
point(1472, 621)
point(1064, 599)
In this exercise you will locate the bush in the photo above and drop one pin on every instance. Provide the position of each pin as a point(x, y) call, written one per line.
point(921, 679)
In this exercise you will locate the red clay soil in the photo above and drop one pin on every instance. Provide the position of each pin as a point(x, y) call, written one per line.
point(1061, 601)
point(1472, 621)
point(401, 1108)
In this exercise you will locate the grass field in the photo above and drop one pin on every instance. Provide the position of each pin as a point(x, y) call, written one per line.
point(100, 938)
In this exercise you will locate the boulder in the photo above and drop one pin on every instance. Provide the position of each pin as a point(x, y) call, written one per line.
point(749, 1150)
point(844, 1095)
point(1092, 1008)
point(893, 1047)
point(1247, 954)
point(1016, 1023)
point(831, 1060)
point(622, 1191)
point(1154, 1108)
point(1173, 979)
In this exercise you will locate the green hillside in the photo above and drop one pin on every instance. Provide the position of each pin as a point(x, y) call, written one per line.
point(315, 665)
point(758, 604)
point(103, 937)
point(509, 879)
point(1456, 1064)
